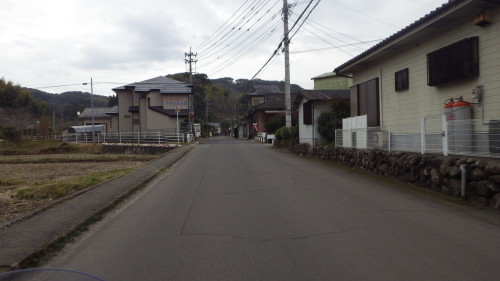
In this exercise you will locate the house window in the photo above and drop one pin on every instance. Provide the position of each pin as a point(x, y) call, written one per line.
point(365, 101)
point(307, 113)
point(453, 62)
point(256, 101)
point(401, 79)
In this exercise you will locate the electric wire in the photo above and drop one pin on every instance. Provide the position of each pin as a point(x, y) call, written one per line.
point(331, 36)
point(234, 29)
point(248, 30)
point(244, 52)
point(213, 50)
point(282, 40)
point(312, 23)
point(251, 37)
point(366, 15)
point(335, 47)
point(305, 19)
point(260, 35)
point(210, 37)
point(214, 37)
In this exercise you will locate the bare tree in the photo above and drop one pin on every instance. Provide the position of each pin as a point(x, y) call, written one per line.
point(20, 119)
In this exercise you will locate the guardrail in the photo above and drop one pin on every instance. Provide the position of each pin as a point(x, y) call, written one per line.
point(128, 137)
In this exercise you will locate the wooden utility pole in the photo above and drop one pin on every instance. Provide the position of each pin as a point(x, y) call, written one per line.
point(286, 43)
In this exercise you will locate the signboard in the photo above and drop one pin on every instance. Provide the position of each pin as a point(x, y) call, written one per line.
point(170, 102)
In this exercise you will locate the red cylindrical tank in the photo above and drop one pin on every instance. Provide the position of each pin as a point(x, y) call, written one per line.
point(458, 116)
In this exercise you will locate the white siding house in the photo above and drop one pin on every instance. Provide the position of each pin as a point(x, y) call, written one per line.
point(310, 105)
point(407, 78)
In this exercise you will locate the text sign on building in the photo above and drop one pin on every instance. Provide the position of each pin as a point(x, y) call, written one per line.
point(171, 102)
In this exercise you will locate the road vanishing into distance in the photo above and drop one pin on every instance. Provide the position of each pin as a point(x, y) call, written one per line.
point(238, 210)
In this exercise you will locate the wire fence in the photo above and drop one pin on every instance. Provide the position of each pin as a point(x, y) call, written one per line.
point(434, 134)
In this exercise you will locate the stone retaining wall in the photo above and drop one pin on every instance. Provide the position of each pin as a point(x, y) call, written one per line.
point(137, 149)
point(435, 172)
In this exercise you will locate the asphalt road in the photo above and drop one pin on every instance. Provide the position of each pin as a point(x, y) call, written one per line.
point(236, 210)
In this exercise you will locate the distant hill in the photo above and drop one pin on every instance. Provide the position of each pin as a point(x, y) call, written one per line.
point(67, 104)
point(240, 85)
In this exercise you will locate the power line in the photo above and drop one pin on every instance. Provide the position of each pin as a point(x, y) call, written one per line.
point(324, 40)
point(232, 30)
point(243, 52)
point(366, 15)
point(305, 18)
point(56, 86)
point(210, 37)
point(75, 84)
point(255, 38)
point(335, 47)
point(282, 40)
point(312, 23)
point(248, 30)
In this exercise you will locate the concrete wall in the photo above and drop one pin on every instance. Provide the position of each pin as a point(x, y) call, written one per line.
point(404, 107)
point(125, 118)
point(159, 121)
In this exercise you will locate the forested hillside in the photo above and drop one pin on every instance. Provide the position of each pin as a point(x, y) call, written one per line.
point(67, 104)
point(19, 111)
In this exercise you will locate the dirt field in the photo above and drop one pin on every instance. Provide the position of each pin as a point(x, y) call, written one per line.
point(17, 177)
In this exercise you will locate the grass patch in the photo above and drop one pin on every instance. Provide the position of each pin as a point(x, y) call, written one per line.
point(78, 159)
point(54, 190)
point(10, 182)
point(47, 147)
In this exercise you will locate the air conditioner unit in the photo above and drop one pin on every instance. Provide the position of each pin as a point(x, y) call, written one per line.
point(380, 139)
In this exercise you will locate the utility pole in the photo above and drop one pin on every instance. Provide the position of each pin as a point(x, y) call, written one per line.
point(92, 106)
point(286, 42)
point(189, 59)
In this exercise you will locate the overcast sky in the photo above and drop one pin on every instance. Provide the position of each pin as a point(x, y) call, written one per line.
point(64, 42)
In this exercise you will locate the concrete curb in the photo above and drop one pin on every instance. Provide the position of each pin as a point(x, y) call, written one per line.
point(26, 240)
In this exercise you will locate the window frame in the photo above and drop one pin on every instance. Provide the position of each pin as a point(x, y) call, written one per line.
point(454, 62)
point(307, 113)
point(402, 80)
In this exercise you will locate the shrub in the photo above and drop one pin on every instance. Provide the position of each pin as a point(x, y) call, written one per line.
point(274, 124)
point(331, 120)
point(286, 135)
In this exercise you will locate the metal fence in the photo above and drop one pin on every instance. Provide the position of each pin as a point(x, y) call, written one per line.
point(131, 137)
point(434, 134)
